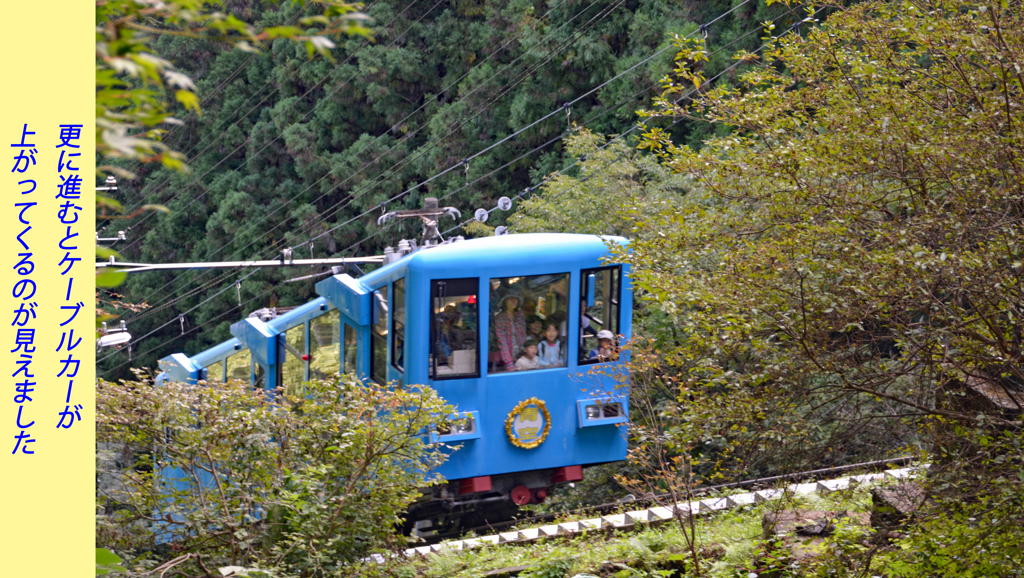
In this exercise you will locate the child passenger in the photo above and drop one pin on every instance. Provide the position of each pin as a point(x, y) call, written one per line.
point(535, 328)
point(605, 351)
point(550, 350)
point(528, 360)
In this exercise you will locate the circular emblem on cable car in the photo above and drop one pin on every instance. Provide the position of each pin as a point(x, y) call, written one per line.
point(528, 423)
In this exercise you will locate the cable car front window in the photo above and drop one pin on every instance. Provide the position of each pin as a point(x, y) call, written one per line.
point(239, 366)
point(599, 314)
point(379, 337)
point(454, 332)
point(528, 322)
point(324, 349)
point(261, 377)
point(293, 370)
point(215, 373)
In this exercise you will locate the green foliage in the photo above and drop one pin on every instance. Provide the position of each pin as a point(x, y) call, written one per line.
point(969, 526)
point(613, 189)
point(844, 270)
point(848, 253)
point(107, 562)
point(549, 569)
point(298, 489)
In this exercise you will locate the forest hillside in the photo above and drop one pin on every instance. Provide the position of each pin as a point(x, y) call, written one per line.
point(301, 152)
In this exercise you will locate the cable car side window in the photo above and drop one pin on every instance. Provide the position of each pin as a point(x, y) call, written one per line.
point(379, 336)
point(398, 324)
point(599, 314)
point(454, 328)
point(528, 322)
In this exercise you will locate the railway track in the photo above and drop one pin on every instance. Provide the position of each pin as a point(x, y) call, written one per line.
point(603, 510)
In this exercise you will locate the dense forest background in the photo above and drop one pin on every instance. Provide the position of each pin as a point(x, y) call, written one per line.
point(289, 148)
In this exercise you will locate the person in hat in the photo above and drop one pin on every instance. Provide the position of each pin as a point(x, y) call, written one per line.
point(528, 358)
point(509, 329)
point(605, 348)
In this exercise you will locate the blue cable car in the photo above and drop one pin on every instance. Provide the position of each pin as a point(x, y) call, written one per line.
point(519, 332)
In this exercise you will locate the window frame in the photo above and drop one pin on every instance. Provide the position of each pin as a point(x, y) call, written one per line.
point(374, 336)
point(394, 336)
point(345, 328)
point(617, 296)
point(432, 364)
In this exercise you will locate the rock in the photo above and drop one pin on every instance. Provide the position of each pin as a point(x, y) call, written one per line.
point(892, 504)
point(804, 532)
point(785, 523)
point(820, 528)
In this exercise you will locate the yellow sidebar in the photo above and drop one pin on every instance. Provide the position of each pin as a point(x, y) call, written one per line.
point(47, 316)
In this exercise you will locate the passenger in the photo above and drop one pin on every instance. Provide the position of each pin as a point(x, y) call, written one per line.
point(605, 348)
point(509, 329)
point(559, 318)
point(447, 340)
point(528, 359)
point(535, 327)
point(530, 306)
point(550, 350)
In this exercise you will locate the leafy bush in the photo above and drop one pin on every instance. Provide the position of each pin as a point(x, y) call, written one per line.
point(233, 477)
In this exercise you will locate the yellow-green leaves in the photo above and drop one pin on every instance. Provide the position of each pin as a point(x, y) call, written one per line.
point(188, 99)
point(849, 251)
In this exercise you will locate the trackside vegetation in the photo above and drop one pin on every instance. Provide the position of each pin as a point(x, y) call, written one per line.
point(297, 486)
